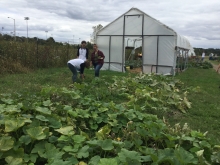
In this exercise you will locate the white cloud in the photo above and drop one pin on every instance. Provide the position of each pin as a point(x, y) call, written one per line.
point(67, 20)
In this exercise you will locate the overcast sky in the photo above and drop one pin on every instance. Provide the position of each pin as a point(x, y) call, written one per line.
point(72, 20)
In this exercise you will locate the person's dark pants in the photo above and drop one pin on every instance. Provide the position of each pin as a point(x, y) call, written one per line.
point(97, 68)
point(74, 71)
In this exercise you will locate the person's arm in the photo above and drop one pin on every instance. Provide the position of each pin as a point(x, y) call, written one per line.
point(87, 53)
point(78, 52)
point(102, 55)
point(82, 67)
point(92, 57)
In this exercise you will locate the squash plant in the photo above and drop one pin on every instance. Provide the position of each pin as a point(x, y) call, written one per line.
point(82, 125)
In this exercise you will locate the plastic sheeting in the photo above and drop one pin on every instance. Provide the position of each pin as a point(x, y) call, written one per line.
point(166, 51)
point(133, 25)
point(154, 27)
point(191, 51)
point(112, 61)
point(182, 42)
point(160, 42)
point(150, 50)
point(115, 28)
point(116, 53)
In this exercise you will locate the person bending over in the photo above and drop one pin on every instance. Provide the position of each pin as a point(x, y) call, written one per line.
point(76, 65)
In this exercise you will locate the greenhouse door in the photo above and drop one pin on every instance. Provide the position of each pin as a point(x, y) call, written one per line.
point(133, 54)
point(132, 34)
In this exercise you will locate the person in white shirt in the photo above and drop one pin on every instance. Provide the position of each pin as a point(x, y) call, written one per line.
point(203, 56)
point(83, 52)
point(76, 65)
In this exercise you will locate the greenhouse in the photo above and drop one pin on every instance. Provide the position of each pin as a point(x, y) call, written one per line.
point(136, 39)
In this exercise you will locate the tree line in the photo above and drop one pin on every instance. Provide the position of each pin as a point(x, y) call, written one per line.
point(199, 51)
point(48, 41)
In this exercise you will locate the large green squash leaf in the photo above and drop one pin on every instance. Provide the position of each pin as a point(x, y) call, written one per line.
point(103, 132)
point(14, 124)
point(54, 122)
point(13, 160)
point(126, 155)
point(18, 153)
point(47, 103)
point(26, 139)
point(7, 101)
point(107, 145)
point(83, 152)
point(79, 138)
point(31, 157)
point(184, 157)
point(108, 161)
point(36, 133)
point(51, 152)
point(12, 109)
point(68, 130)
point(41, 118)
point(6, 143)
point(43, 110)
point(39, 147)
point(94, 160)
point(59, 162)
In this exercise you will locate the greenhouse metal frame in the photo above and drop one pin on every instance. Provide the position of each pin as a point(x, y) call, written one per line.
point(161, 45)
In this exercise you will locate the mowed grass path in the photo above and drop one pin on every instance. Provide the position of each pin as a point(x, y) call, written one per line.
point(204, 114)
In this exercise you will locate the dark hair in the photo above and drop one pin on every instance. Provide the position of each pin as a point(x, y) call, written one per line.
point(83, 42)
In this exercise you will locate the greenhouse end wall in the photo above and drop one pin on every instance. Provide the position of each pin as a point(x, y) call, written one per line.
point(159, 42)
point(112, 47)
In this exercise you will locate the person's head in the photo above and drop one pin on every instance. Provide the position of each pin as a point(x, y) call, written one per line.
point(95, 47)
point(83, 44)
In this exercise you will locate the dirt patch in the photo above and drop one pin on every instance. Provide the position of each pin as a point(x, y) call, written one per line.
point(216, 67)
point(135, 70)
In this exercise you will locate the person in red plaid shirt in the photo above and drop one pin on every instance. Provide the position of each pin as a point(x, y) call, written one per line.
point(97, 59)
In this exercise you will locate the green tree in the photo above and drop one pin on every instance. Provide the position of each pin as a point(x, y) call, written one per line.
point(50, 40)
point(95, 30)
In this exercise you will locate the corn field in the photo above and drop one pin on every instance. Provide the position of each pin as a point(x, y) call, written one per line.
point(19, 57)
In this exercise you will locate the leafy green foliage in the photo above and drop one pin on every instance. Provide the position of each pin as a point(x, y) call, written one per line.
point(201, 65)
point(6, 143)
point(21, 57)
point(134, 63)
point(81, 125)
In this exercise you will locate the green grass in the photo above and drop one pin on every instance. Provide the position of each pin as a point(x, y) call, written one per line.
point(205, 111)
point(214, 62)
point(58, 77)
point(204, 114)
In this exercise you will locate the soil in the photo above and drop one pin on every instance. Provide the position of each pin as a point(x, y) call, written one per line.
point(136, 70)
point(215, 67)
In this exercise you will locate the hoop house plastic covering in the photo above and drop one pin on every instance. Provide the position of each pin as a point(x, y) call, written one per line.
point(159, 42)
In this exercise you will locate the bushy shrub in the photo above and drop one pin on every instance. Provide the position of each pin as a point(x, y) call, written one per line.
point(11, 66)
point(201, 65)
